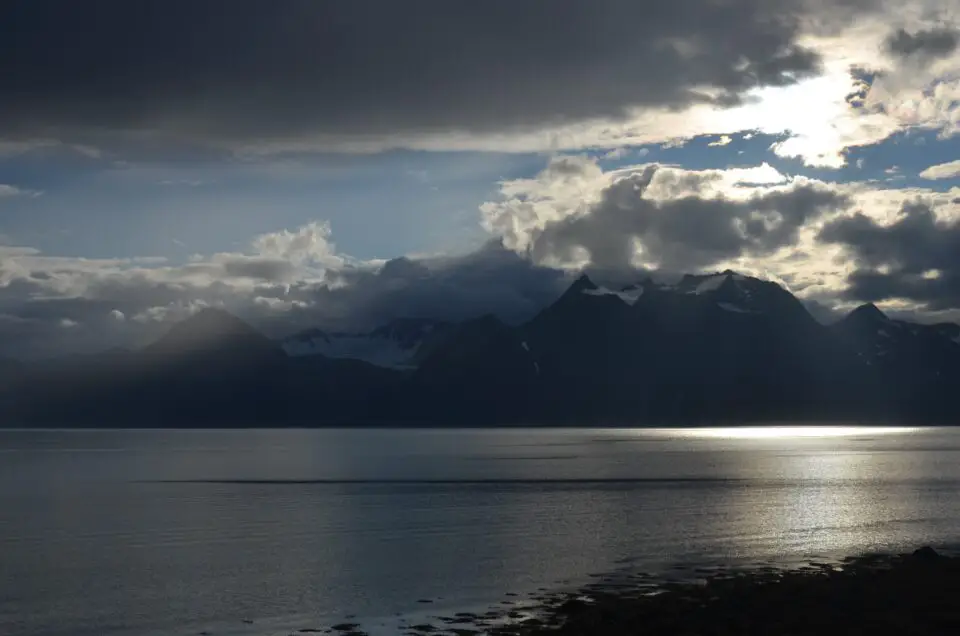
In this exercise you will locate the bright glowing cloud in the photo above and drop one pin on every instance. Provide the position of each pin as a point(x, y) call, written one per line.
point(949, 170)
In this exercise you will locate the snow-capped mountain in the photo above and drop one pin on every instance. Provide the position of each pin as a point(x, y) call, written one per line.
point(396, 345)
point(728, 290)
point(724, 338)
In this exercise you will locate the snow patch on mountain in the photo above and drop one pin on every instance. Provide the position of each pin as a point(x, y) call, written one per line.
point(630, 295)
point(711, 283)
point(536, 365)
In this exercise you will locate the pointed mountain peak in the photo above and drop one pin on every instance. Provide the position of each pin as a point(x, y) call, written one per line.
point(214, 319)
point(212, 313)
point(868, 311)
point(582, 283)
point(210, 328)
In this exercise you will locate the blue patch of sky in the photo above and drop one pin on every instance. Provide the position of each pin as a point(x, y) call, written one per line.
point(379, 206)
point(894, 162)
point(743, 150)
point(910, 153)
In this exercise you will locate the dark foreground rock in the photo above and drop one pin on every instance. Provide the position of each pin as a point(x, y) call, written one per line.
point(915, 594)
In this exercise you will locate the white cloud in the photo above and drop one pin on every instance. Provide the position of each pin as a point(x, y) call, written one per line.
point(619, 153)
point(8, 191)
point(528, 207)
point(274, 261)
point(679, 219)
point(309, 244)
point(723, 141)
point(949, 170)
point(171, 312)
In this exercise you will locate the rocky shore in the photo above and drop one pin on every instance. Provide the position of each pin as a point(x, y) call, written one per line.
point(916, 593)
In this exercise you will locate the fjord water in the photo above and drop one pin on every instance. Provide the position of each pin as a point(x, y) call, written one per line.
point(150, 531)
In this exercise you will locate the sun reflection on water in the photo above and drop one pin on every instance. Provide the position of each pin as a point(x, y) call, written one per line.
point(825, 490)
point(779, 432)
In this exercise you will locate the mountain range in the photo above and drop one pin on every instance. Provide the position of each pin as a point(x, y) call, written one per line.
point(720, 348)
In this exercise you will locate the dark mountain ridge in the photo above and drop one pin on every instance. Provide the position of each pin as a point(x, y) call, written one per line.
point(710, 349)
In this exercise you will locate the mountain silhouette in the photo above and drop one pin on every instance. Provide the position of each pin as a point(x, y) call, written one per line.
point(710, 349)
point(214, 333)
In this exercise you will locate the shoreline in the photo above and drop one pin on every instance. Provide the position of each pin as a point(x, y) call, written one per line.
point(909, 593)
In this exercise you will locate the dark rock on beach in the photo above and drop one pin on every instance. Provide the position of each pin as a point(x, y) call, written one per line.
point(573, 607)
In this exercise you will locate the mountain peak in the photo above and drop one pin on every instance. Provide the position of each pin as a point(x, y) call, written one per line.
point(211, 329)
point(868, 311)
point(215, 319)
point(582, 283)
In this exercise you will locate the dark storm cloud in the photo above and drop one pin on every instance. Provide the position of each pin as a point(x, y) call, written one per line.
point(260, 69)
point(916, 258)
point(684, 233)
point(934, 43)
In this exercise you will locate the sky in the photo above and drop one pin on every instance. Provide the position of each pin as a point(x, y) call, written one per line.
point(338, 165)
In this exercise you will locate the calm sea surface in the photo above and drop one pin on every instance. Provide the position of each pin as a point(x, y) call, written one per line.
point(177, 532)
